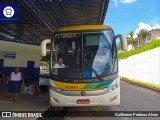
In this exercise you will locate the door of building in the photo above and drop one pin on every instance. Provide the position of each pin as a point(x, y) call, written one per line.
point(30, 70)
point(1, 63)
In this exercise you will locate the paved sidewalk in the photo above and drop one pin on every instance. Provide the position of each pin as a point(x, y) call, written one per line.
point(38, 102)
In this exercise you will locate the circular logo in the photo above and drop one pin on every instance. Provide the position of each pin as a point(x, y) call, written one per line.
point(83, 93)
point(8, 11)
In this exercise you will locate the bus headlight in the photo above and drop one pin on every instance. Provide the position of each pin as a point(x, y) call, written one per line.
point(111, 88)
point(55, 89)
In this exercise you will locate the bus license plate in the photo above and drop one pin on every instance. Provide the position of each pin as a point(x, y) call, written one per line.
point(83, 101)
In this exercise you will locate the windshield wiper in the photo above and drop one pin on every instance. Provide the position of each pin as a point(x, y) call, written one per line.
point(74, 64)
point(100, 79)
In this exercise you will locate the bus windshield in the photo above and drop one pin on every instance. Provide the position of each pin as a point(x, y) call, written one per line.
point(84, 55)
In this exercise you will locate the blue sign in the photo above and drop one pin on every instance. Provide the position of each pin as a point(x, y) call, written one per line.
point(8, 12)
point(7, 54)
point(86, 74)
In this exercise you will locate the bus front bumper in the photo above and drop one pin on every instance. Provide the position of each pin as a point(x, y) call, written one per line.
point(107, 99)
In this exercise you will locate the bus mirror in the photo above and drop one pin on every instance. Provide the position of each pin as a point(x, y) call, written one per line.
point(43, 46)
point(123, 41)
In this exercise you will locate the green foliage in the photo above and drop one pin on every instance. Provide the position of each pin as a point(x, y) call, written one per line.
point(153, 44)
point(46, 58)
point(142, 35)
point(131, 33)
point(43, 63)
point(129, 40)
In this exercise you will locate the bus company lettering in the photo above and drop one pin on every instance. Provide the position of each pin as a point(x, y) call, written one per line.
point(71, 87)
point(85, 80)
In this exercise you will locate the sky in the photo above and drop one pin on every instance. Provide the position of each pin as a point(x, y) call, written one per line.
point(132, 15)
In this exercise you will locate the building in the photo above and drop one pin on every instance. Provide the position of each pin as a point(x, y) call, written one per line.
point(154, 33)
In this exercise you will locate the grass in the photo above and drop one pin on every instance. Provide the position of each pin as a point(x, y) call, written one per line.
point(151, 45)
point(143, 84)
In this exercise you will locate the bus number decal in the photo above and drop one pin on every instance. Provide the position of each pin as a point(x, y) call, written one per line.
point(71, 87)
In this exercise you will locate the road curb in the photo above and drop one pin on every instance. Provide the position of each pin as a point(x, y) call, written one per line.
point(138, 84)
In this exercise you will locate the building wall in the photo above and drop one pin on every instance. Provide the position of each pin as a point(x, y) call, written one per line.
point(24, 53)
point(130, 47)
point(144, 66)
point(155, 33)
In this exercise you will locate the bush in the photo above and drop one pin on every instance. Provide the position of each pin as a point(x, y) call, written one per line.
point(151, 45)
point(43, 63)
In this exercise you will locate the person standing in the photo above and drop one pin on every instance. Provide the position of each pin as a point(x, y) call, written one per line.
point(15, 84)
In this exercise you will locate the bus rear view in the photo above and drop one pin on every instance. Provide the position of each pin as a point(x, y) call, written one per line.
point(88, 75)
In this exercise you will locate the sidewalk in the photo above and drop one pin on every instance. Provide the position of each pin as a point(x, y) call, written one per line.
point(29, 103)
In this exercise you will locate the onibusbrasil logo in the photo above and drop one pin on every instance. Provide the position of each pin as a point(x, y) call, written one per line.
point(8, 11)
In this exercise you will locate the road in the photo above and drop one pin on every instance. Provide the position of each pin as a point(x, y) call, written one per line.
point(133, 98)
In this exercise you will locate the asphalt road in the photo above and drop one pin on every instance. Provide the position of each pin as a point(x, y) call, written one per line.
point(133, 98)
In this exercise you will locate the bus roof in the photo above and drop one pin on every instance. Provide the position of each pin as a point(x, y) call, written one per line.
point(82, 28)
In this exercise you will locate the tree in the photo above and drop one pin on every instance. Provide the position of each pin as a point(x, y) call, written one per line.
point(131, 33)
point(46, 58)
point(131, 40)
point(142, 35)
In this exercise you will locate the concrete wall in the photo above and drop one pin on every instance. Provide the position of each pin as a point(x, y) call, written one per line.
point(155, 33)
point(144, 66)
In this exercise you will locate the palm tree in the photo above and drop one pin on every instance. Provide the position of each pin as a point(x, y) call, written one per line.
point(142, 35)
point(129, 41)
point(131, 33)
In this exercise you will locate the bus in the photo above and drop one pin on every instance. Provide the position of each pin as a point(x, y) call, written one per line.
point(90, 76)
